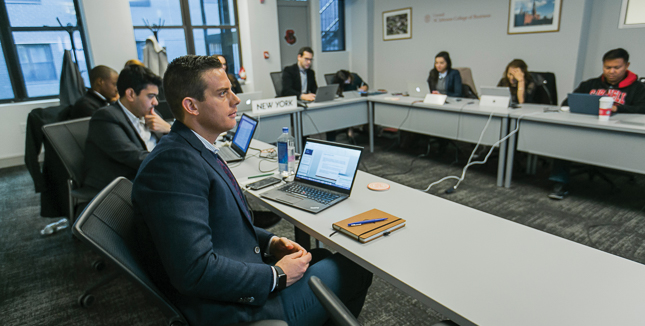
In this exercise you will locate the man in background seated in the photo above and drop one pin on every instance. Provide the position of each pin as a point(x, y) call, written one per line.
point(121, 135)
point(102, 92)
point(194, 227)
point(349, 81)
point(299, 79)
point(617, 82)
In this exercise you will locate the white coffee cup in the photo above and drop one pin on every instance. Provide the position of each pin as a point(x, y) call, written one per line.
point(604, 109)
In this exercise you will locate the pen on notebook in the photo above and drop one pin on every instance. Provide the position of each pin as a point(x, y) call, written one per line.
point(260, 175)
point(367, 221)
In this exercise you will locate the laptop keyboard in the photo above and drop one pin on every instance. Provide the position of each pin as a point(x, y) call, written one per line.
point(321, 196)
point(228, 154)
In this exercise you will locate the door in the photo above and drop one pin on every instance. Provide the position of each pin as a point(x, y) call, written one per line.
point(293, 25)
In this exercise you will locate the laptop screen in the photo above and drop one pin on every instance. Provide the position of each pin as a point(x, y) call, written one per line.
point(244, 132)
point(329, 164)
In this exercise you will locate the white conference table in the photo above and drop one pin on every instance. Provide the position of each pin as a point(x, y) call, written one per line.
point(617, 144)
point(459, 119)
point(473, 267)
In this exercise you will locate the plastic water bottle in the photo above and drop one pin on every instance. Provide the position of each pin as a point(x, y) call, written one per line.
point(55, 227)
point(286, 154)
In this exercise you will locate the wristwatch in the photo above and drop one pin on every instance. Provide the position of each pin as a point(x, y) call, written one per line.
point(282, 278)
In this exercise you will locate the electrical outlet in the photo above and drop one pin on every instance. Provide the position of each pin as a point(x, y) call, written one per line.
point(23, 127)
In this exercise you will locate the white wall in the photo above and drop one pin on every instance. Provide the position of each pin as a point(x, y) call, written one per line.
point(482, 44)
point(109, 32)
point(359, 36)
point(259, 33)
point(12, 130)
point(605, 35)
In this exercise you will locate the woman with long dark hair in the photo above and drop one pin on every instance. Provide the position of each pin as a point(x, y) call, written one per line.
point(443, 79)
point(519, 80)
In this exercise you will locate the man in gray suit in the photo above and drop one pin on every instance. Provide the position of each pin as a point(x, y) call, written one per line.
point(121, 135)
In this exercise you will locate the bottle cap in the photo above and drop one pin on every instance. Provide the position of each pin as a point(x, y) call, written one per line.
point(285, 130)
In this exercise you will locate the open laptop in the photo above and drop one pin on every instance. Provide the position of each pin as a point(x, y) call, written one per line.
point(326, 93)
point(583, 103)
point(418, 89)
point(495, 97)
point(241, 141)
point(246, 99)
point(325, 177)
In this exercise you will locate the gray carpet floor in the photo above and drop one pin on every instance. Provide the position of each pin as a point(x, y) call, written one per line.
point(42, 277)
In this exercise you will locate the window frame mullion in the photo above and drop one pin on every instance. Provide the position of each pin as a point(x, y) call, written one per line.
point(11, 58)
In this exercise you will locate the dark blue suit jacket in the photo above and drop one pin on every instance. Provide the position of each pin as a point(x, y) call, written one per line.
point(201, 248)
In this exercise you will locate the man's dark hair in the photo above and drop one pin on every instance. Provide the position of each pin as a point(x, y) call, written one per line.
point(304, 49)
point(137, 78)
point(184, 78)
point(101, 72)
point(619, 53)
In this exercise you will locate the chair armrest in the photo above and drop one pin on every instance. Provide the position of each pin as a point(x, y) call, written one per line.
point(336, 309)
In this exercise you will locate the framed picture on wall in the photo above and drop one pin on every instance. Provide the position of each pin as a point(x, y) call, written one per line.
point(532, 16)
point(397, 24)
point(632, 14)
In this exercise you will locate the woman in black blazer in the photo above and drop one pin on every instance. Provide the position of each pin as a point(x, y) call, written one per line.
point(443, 79)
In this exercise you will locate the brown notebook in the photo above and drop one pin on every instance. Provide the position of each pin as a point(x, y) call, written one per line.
point(369, 231)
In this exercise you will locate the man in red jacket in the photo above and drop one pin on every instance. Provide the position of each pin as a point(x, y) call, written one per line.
point(629, 97)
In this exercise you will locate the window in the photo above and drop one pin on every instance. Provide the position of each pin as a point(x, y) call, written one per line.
point(33, 43)
point(332, 25)
point(6, 92)
point(202, 27)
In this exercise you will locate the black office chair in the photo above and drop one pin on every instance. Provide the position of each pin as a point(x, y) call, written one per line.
point(468, 92)
point(338, 312)
point(276, 78)
point(68, 141)
point(547, 82)
point(107, 225)
point(329, 78)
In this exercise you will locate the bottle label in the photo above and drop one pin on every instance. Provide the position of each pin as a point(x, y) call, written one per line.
point(283, 153)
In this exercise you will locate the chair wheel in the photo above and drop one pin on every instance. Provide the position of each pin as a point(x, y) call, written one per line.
point(86, 300)
point(99, 265)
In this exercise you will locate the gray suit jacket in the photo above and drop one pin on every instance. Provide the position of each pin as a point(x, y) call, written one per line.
point(113, 148)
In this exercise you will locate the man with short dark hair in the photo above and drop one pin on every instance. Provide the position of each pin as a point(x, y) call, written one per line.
point(121, 135)
point(195, 230)
point(102, 92)
point(617, 82)
point(299, 79)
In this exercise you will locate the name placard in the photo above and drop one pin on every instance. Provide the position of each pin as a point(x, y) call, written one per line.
point(275, 105)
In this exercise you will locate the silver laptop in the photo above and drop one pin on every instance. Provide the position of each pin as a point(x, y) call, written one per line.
point(325, 177)
point(326, 93)
point(418, 89)
point(246, 100)
point(241, 141)
point(583, 103)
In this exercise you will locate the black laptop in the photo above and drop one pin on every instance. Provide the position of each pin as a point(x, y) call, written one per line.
point(241, 141)
point(325, 176)
point(583, 103)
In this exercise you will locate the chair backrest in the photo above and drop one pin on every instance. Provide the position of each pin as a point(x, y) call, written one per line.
point(467, 92)
point(547, 81)
point(329, 78)
point(107, 225)
point(467, 79)
point(68, 140)
point(276, 77)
